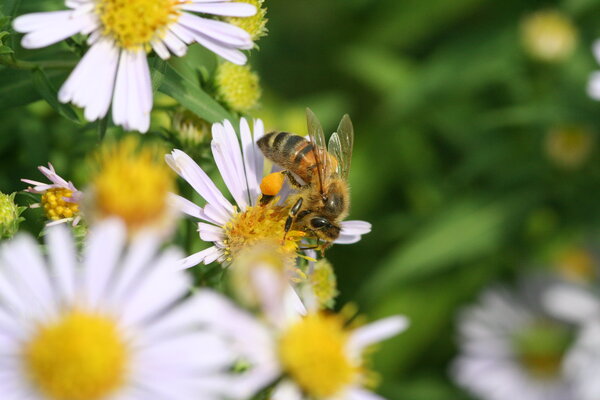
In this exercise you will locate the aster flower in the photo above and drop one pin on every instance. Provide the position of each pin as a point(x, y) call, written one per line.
point(60, 198)
point(115, 68)
point(581, 306)
point(133, 183)
point(105, 326)
point(307, 355)
point(231, 228)
point(512, 348)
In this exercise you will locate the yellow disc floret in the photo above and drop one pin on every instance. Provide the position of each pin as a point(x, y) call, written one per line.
point(254, 25)
point(56, 206)
point(133, 24)
point(261, 225)
point(133, 184)
point(81, 356)
point(313, 353)
point(238, 86)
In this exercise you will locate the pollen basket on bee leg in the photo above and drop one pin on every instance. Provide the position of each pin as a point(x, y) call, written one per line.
point(271, 184)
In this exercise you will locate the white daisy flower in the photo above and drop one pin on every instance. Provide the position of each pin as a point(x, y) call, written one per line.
point(582, 307)
point(113, 325)
point(231, 228)
point(60, 198)
point(510, 348)
point(316, 356)
point(115, 68)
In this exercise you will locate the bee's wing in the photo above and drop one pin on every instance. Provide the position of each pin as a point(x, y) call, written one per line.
point(340, 146)
point(317, 138)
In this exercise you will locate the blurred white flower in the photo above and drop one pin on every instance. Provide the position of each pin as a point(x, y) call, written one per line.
point(111, 325)
point(231, 228)
point(60, 198)
point(121, 32)
point(315, 355)
point(582, 307)
point(510, 348)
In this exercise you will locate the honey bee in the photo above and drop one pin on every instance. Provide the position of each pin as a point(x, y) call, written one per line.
point(322, 199)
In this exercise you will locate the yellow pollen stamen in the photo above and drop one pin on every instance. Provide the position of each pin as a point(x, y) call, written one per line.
point(261, 225)
point(79, 357)
point(133, 24)
point(133, 184)
point(56, 207)
point(254, 25)
point(313, 352)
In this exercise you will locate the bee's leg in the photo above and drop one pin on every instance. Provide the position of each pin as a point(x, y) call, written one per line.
point(292, 216)
point(293, 181)
point(270, 186)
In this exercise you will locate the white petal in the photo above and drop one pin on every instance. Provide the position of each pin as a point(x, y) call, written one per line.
point(361, 394)
point(101, 256)
point(90, 85)
point(231, 54)
point(24, 266)
point(571, 303)
point(250, 151)
point(143, 302)
point(228, 157)
point(210, 233)
point(132, 101)
point(347, 239)
point(62, 255)
point(232, 9)
point(377, 331)
point(593, 88)
point(198, 351)
point(161, 49)
point(44, 29)
point(197, 178)
point(187, 207)
point(205, 256)
point(222, 32)
point(286, 390)
point(356, 227)
point(176, 45)
point(139, 257)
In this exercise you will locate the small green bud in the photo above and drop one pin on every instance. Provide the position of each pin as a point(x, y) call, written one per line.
point(10, 215)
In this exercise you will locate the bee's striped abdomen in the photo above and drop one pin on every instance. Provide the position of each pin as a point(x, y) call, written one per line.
point(290, 151)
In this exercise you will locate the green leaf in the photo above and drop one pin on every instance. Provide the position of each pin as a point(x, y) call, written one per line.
point(463, 233)
point(103, 126)
point(17, 88)
point(49, 93)
point(189, 94)
point(11, 7)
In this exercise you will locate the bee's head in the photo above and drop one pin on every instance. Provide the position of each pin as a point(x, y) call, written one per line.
point(324, 229)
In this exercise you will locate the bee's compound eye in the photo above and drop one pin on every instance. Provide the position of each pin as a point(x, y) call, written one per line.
point(318, 223)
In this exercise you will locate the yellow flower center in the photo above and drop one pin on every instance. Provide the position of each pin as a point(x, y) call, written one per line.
point(133, 24)
point(133, 185)
point(254, 25)
point(56, 207)
point(261, 225)
point(238, 86)
point(79, 357)
point(313, 352)
point(577, 264)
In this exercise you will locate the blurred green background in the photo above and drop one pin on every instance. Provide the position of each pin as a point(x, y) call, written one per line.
point(475, 156)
